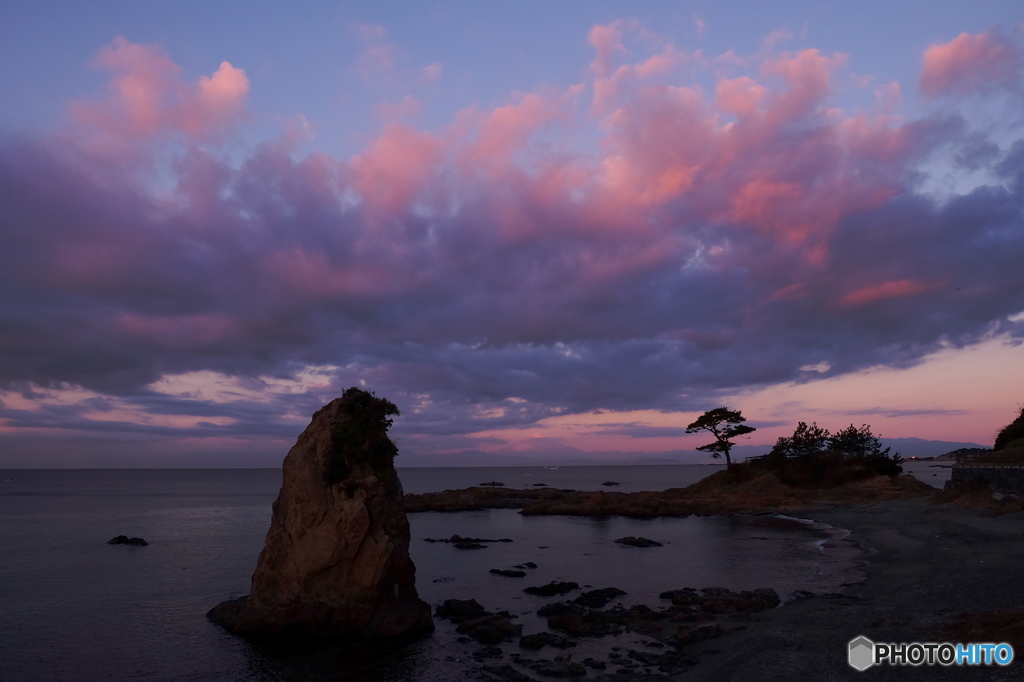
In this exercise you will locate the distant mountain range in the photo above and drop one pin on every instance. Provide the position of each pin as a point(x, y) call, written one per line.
point(553, 453)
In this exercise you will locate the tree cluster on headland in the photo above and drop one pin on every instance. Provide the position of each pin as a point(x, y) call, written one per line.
point(1011, 436)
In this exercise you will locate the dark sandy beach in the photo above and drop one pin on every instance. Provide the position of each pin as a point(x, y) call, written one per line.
point(923, 563)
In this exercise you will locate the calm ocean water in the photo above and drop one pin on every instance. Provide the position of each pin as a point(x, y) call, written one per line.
point(74, 608)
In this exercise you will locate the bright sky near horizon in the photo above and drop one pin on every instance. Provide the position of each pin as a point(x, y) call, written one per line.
point(577, 223)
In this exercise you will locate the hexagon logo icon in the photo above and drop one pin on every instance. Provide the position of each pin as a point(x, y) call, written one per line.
point(861, 652)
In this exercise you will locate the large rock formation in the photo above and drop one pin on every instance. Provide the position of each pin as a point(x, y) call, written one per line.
point(336, 559)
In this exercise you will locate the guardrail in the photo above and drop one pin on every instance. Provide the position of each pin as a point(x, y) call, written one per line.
point(973, 458)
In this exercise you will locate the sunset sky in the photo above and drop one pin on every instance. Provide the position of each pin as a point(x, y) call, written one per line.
point(528, 224)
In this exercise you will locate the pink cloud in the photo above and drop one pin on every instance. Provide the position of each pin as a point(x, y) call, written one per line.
point(182, 331)
point(807, 75)
point(739, 96)
point(432, 72)
point(793, 291)
point(889, 96)
point(506, 130)
point(606, 41)
point(903, 288)
point(626, 79)
point(971, 63)
point(395, 167)
point(148, 96)
point(761, 202)
point(312, 275)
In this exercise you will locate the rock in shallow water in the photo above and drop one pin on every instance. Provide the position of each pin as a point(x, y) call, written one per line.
point(125, 540)
point(336, 559)
point(507, 573)
point(631, 541)
point(552, 588)
point(597, 599)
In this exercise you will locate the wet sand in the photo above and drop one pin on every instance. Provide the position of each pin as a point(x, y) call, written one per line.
point(922, 562)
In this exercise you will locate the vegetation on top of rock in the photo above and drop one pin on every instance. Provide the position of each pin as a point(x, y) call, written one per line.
point(724, 424)
point(362, 435)
point(814, 458)
point(1010, 434)
point(811, 441)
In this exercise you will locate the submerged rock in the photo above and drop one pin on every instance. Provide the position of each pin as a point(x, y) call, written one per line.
point(559, 667)
point(465, 543)
point(542, 639)
point(336, 557)
point(507, 573)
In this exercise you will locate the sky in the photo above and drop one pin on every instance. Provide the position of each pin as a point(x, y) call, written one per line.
point(529, 225)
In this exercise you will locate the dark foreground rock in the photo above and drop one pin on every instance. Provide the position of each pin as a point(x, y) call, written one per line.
point(596, 599)
point(125, 540)
point(336, 559)
point(474, 621)
point(552, 588)
point(669, 634)
point(459, 610)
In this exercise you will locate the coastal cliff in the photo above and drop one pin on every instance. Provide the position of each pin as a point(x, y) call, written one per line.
point(336, 558)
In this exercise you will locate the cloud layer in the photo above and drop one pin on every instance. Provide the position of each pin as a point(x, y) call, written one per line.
point(640, 240)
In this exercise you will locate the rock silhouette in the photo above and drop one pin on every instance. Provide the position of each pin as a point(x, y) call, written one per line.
point(125, 540)
point(336, 559)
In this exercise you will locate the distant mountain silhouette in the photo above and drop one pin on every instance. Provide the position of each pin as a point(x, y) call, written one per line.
point(548, 452)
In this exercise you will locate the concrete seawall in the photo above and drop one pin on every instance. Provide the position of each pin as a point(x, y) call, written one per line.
point(1006, 477)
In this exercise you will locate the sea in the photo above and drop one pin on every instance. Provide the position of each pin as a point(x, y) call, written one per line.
point(75, 608)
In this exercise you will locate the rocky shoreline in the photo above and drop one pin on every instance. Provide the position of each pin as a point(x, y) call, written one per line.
point(937, 567)
point(713, 495)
